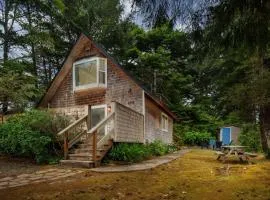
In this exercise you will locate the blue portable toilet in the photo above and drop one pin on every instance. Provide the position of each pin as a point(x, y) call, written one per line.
point(229, 134)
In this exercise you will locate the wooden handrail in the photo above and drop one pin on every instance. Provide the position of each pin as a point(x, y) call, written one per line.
point(93, 132)
point(75, 139)
point(104, 139)
point(102, 122)
point(72, 125)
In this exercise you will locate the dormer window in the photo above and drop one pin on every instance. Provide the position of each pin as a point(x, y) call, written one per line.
point(90, 73)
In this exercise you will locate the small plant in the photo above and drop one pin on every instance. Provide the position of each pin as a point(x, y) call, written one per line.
point(128, 152)
point(135, 152)
point(157, 148)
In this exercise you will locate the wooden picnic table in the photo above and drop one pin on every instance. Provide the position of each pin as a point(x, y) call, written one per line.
point(234, 150)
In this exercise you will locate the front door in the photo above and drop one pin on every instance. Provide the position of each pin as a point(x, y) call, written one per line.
point(226, 136)
point(98, 113)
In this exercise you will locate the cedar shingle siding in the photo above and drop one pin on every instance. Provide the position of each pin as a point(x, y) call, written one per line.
point(120, 88)
point(153, 124)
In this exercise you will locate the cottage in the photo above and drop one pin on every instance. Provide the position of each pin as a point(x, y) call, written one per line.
point(229, 134)
point(107, 105)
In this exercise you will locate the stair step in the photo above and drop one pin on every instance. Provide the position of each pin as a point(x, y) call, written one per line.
point(87, 150)
point(78, 163)
point(90, 146)
point(81, 156)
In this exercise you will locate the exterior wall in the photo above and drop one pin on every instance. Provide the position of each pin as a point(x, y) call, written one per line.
point(74, 112)
point(129, 125)
point(235, 131)
point(120, 87)
point(152, 124)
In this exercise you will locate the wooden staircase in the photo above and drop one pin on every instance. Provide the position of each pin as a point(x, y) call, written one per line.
point(82, 156)
point(84, 148)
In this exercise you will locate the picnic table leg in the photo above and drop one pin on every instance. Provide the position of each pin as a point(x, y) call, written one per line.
point(247, 159)
point(241, 158)
point(224, 159)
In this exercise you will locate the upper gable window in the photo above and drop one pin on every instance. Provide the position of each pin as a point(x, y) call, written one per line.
point(89, 73)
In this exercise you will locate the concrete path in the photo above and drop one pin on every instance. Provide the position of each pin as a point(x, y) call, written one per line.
point(149, 164)
point(37, 177)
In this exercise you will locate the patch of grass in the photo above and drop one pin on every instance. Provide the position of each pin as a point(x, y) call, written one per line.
point(194, 176)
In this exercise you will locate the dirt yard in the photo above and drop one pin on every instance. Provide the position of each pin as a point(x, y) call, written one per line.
point(197, 175)
point(15, 166)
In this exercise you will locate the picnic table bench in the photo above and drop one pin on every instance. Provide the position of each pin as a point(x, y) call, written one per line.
point(230, 150)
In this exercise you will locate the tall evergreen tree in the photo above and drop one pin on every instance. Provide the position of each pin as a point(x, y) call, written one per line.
point(243, 27)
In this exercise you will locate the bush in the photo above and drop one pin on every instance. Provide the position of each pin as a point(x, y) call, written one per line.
point(31, 134)
point(44, 122)
point(196, 138)
point(134, 152)
point(128, 152)
point(250, 136)
point(18, 140)
point(158, 148)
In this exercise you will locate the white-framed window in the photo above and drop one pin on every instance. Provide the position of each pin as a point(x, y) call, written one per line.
point(89, 73)
point(164, 122)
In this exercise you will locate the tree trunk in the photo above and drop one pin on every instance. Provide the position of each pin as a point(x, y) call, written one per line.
point(264, 113)
point(5, 50)
point(264, 122)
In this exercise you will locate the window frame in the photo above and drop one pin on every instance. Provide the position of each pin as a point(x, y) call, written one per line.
point(166, 128)
point(90, 85)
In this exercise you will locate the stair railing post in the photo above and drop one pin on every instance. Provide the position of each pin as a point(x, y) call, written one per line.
point(94, 147)
point(66, 145)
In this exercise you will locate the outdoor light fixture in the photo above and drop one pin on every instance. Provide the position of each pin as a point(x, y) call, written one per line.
point(109, 109)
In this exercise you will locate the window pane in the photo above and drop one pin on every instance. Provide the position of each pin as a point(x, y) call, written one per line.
point(97, 114)
point(86, 73)
point(102, 66)
point(164, 122)
point(101, 77)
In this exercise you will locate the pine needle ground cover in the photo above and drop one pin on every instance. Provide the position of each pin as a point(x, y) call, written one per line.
point(197, 175)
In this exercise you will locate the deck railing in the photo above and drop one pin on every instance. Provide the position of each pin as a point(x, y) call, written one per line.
point(73, 133)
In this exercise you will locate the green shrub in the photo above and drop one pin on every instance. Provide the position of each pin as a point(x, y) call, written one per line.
point(134, 152)
point(196, 138)
point(250, 136)
point(128, 152)
point(158, 148)
point(44, 122)
point(17, 140)
point(31, 134)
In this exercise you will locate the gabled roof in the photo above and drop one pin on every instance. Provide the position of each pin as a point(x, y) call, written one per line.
point(64, 71)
